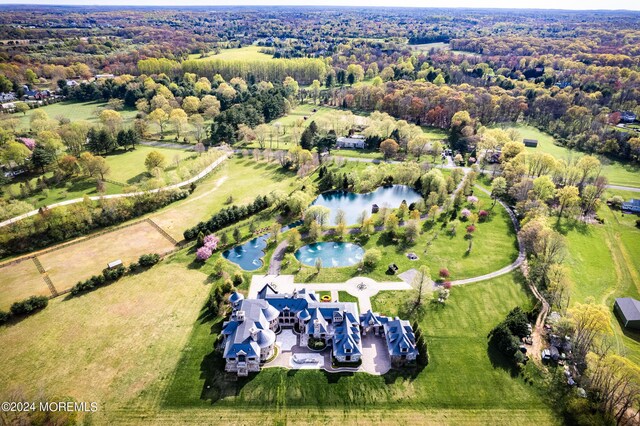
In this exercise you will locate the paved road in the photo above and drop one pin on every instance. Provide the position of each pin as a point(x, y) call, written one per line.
point(196, 178)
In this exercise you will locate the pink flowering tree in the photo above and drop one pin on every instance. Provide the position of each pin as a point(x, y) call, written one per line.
point(29, 143)
point(472, 199)
point(203, 253)
point(483, 215)
point(444, 273)
point(211, 241)
point(465, 213)
point(471, 229)
point(447, 285)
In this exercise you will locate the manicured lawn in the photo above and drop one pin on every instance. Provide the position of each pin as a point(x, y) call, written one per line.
point(241, 179)
point(343, 296)
point(128, 167)
point(617, 172)
point(494, 247)
point(75, 111)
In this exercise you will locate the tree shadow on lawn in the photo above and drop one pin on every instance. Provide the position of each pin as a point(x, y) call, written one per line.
point(568, 225)
point(498, 360)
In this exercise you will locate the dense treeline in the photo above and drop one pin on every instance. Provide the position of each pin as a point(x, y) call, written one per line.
point(66, 222)
point(226, 217)
point(303, 70)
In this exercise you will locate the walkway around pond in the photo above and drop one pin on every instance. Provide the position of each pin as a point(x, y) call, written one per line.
point(194, 179)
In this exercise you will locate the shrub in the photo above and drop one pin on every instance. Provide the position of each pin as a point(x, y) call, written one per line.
point(4, 317)
point(238, 279)
point(371, 258)
point(471, 229)
point(29, 306)
point(148, 260)
point(227, 286)
point(483, 215)
point(616, 201)
point(638, 223)
point(113, 274)
point(134, 266)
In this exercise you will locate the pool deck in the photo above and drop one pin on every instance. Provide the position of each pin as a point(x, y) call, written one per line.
point(361, 287)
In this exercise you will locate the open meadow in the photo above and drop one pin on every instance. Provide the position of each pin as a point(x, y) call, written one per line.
point(617, 172)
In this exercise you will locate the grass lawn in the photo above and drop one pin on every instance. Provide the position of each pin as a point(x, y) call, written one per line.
point(461, 374)
point(115, 345)
point(617, 172)
point(343, 296)
point(20, 281)
point(241, 179)
point(249, 53)
point(494, 247)
point(128, 166)
point(75, 111)
point(604, 263)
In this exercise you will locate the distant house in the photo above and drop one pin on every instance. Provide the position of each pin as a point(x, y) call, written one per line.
point(99, 76)
point(532, 143)
point(628, 311)
point(72, 83)
point(563, 84)
point(627, 117)
point(7, 97)
point(353, 142)
point(632, 206)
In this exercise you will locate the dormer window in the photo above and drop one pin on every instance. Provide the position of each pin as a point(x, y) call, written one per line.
point(347, 351)
point(403, 349)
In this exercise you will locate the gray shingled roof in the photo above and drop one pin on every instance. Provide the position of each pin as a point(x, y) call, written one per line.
point(399, 335)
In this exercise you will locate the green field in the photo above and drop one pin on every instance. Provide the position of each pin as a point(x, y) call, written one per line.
point(604, 263)
point(249, 53)
point(126, 167)
point(75, 111)
point(617, 172)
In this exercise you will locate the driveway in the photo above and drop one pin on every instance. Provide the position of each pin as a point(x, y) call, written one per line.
point(375, 357)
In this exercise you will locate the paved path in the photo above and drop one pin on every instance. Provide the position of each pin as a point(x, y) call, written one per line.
point(276, 258)
point(169, 145)
point(196, 178)
point(361, 287)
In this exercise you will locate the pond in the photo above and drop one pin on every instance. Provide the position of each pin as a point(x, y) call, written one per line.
point(332, 254)
point(354, 204)
point(248, 255)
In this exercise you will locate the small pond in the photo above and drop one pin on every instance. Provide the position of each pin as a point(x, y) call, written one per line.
point(354, 204)
point(332, 254)
point(248, 255)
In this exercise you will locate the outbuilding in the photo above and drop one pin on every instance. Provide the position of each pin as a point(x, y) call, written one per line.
point(628, 311)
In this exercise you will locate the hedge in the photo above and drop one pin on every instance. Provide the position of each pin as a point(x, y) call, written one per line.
point(226, 217)
point(111, 275)
point(29, 306)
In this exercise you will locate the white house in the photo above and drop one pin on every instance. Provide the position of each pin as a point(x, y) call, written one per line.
point(353, 142)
